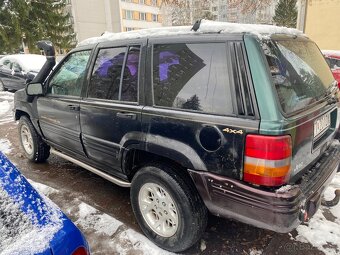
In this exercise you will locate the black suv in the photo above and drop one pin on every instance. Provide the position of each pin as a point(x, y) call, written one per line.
point(238, 124)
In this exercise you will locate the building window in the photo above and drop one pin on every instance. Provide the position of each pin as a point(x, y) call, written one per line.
point(142, 16)
point(154, 17)
point(141, 1)
point(154, 2)
point(128, 14)
point(129, 29)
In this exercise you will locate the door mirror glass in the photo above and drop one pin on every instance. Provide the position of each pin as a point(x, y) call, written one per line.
point(34, 89)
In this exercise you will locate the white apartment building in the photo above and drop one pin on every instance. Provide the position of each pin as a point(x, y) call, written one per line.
point(93, 17)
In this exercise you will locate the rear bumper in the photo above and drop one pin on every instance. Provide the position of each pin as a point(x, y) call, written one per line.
point(281, 210)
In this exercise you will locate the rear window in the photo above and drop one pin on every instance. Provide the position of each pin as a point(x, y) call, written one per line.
point(300, 73)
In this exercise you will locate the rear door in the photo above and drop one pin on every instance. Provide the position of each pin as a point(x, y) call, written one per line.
point(193, 110)
point(111, 110)
point(58, 110)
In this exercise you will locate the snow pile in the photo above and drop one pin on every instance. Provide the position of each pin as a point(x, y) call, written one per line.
point(5, 146)
point(206, 26)
point(320, 232)
point(89, 217)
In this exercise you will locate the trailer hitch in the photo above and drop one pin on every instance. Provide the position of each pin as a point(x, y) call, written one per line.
point(332, 202)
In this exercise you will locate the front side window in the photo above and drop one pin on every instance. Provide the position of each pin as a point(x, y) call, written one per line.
point(299, 72)
point(69, 78)
point(193, 77)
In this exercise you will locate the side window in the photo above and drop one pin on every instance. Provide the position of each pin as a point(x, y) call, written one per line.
point(130, 77)
point(193, 77)
point(106, 74)
point(106, 77)
point(69, 78)
point(16, 67)
point(7, 63)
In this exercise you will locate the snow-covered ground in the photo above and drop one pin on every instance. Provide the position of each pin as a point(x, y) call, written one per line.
point(122, 239)
point(320, 232)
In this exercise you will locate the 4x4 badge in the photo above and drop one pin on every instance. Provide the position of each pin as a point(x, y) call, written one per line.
point(233, 131)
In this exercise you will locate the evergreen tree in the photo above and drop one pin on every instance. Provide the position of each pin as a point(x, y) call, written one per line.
point(35, 20)
point(10, 28)
point(286, 13)
point(193, 103)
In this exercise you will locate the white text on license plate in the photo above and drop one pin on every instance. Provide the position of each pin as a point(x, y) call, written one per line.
point(321, 124)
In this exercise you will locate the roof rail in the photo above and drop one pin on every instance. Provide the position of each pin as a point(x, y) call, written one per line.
point(196, 25)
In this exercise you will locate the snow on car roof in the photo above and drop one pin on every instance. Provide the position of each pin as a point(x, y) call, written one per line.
point(335, 53)
point(29, 62)
point(206, 26)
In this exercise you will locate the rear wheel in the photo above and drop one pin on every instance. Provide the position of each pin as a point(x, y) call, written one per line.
point(33, 146)
point(168, 207)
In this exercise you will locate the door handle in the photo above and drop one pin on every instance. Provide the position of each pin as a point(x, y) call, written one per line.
point(73, 107)
point(125, 115)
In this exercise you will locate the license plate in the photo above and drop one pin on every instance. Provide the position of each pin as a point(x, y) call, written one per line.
point(322, 124)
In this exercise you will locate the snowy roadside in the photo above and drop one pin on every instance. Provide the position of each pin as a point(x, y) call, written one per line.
point(322, 233)
point(101, 228)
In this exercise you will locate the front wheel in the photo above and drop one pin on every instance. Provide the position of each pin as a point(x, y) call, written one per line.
point(33, 146)
point(168, 207)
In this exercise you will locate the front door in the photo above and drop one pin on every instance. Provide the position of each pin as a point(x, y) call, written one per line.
point(112, 110)
point(59, 110)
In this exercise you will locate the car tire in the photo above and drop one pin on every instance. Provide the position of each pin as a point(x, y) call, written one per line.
point(35, 149)
point(168, 207)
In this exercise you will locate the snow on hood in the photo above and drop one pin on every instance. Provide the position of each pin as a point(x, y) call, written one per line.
point(206, 26)
point(28, 221)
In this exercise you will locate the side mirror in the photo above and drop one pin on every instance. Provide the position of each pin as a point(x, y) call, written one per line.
point(34, 89)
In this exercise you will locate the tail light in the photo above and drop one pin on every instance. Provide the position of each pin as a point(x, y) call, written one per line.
point(81, 251)
point(267, 159)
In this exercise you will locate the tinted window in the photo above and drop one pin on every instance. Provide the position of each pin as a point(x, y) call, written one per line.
point(106, 74)
point(192, 76)
point(299, 71)
point(333, 63)
point(130, 77)
point(69, 78)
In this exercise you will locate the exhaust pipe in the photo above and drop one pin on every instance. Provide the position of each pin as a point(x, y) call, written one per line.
point(48, 48)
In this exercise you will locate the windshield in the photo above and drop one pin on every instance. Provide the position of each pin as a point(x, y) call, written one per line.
point(300, 73)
